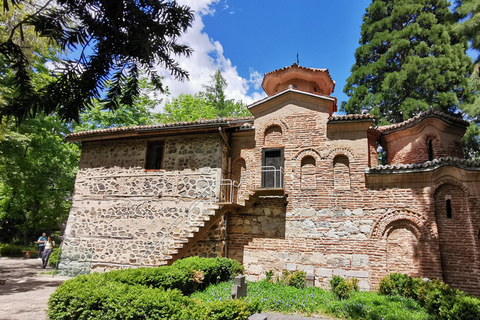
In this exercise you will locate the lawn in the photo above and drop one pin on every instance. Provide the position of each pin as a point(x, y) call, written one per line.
point(315, 301)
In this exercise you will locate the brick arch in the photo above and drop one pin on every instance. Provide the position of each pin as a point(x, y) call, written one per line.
point(307, 152)
point(273, 135)
point(416, 221)
point(331, 154)
point(273, 122)
point(451, 181)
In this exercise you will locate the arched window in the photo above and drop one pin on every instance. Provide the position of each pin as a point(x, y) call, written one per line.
point(308, 173)
point(273, 136)
point(341, 173)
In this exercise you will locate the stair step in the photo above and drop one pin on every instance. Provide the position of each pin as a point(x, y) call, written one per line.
point(181, 240)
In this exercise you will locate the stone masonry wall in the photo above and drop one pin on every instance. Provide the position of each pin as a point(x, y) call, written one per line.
point(124, 216)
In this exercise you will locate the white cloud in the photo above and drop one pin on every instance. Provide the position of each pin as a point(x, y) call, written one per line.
point(206, 59)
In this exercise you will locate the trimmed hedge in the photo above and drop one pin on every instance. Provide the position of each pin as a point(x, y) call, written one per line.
point(150, 293)
point(436, 296)
point(11, 250)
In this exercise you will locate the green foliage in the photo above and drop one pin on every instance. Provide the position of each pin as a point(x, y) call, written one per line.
point(409, 59)
point(95, 297)
point(295, 279)
point(341, 288)
point(55, 257)
point(148, 293)
point(11, 250)
point(187, 107)
point(438, 298)
point(124, 37)
point(468, 12)
point(37, 174)
point(204, 105)
point(140, 112)
point(394, 284)
point(269, 275)
point(309, 301)
point(223, 310)
point(215, 93)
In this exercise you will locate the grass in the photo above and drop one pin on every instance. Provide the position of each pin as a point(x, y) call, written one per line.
point(315, 301)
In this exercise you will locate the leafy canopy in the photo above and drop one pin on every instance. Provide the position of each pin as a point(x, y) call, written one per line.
point(409, 59)
point(210, 104)
point(114, 40)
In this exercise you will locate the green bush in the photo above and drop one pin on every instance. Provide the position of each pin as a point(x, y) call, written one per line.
point(437, 297)
point(149, 293)
point(214, 269)
point(459, 306)
point(354, 283)
point(95, 297)
point(295, 279)
point(186, 275)
point(54, 257)
point(11, 250)
point(341, 288)
point(394, 284)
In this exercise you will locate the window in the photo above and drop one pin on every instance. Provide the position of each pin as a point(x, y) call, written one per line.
point(430, 149)
point(154, 155)
point(449, 209)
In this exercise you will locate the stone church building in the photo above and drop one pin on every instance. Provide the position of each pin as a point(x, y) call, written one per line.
point(294, 187)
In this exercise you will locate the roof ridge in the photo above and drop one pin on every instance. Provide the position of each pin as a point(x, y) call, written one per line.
point(419, 117)
point(427, 164)
point(157, 125)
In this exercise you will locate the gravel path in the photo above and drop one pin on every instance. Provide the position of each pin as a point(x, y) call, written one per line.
point(25, 294)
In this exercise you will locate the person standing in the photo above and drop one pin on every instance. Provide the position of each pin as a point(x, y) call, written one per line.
point(41, 245)
point(49, 245)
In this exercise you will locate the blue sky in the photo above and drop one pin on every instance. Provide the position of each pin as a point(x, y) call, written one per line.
point(248, 38)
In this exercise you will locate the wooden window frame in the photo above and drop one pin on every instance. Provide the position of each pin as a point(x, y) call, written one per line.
point(150, 145)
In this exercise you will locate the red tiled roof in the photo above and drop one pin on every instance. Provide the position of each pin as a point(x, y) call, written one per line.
point(421, 116)
point(427, 166)
point(240, 122)
point(351, 117)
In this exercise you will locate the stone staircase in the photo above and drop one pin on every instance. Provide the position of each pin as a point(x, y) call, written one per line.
point(198, 228)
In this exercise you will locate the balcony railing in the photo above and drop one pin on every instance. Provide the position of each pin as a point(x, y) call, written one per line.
point(265, 177)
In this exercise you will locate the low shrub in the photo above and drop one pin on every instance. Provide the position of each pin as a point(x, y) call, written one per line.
point(214, 269)
point(149, 293)
point(295, 279)
point(269, 275)
point(55, 257)
point(95, 297)
point(343, 289)
point(186, 275)
point(354, 283)
point(437, 297)
point(11, 250)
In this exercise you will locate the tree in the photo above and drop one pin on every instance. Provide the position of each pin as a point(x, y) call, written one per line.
point(37, 174)
point(187, 107)
point(141, 112)
point(113, 40)
point(210, 104)
point(468, 12)
point(409, 59)
point(215, 93)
